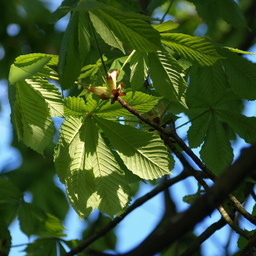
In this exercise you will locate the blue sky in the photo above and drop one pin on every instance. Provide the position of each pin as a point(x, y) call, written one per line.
point(135, 227)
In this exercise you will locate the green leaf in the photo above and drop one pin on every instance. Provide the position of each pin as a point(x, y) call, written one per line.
point(92, 175)
point(216, 151)
point(139, 70)
point(53, 226)
point(244, 126)
point(142, 152)
point(34, 221)
point(74, 106)
point(74, 47)
point(241, 74)
point(166, 26)
point(9, 194)
point(127, 28)
point(35, 102)
point(238, 50)
point(242, 241)
point(31, 219)
point(69, 62)
point(105, 31)
point(27, 66)
point(62, 10)
point(87, 5)
point(91, 69)
point(189, 199)
point(167, 76)
point(5, 239)
point(42, 247)
point(193, 48)
point(228, 10)
point(83, 35)
point(209, 83)
point(140, 101)
point(200, 121)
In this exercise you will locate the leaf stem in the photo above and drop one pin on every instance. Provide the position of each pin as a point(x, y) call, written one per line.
point(129, 57)
point(168, 9)
point(97, 44)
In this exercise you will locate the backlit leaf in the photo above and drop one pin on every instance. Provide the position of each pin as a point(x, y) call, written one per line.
point(140, 101)
point(89, 169)
point(167, 76)
point(193, 48)
point(128, 29)
point(142, 152)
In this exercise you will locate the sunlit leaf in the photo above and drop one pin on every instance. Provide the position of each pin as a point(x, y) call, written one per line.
point(27, 66)
point(89, 169)
point(167, 76)
point(128, 29)
point(194, 49)
point(35, 101)
point(140, 101)
point(142, 152)
point(166, 26)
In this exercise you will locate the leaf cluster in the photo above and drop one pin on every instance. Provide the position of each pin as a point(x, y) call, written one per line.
point(103, 148)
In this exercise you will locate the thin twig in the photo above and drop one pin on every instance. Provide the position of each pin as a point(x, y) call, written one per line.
point(168, 9)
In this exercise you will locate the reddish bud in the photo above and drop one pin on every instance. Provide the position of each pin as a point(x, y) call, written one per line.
point(103, 96)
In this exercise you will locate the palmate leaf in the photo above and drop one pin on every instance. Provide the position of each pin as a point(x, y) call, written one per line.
point(216, 151)
point(91, 174)
point(142, 152)
point(139, 70)
point(36, 101)
point(167, 76)
point(126, 28)
point(140, 101)
point(193, 48)
point(240, 73)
